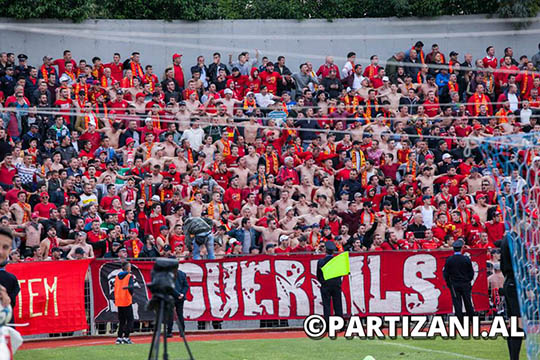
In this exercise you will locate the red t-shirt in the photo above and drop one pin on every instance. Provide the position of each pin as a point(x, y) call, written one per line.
point(7, 174)
point(154, 223)
point(65, 107)
point(94, 139)
point(270, 80)
point(43, 209)
point(61, 63)
point(117, 70)
point(279, 250)
point(106, 201)
point(233, 198)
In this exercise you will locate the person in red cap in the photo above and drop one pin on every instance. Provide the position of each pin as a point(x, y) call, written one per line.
point(44, 207)
point(178, 71)
point(132, 244)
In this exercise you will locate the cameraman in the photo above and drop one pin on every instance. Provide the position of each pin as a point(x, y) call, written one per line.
point(181, 288)
point(198, 232)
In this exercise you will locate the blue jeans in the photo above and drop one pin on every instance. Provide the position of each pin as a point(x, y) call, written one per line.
point(209, 247)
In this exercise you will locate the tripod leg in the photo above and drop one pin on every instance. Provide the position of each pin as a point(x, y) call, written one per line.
point(183, 335)
point(154, 348)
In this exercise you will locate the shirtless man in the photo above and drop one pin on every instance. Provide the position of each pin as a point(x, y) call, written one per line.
point(481, 207)
point(326, 189)
point(169, 146)
point(283, 203)
point(250, 203)
point(242, 171)
point(289, 221)
point(251, 129)
point(308, 169)
point(306, 187)
point(271, 234)
point(21, 209)
point(252, 159)
point(32, 231)
point(197, 206)
point(51, 241)
point(80, 243)
point(312, 217)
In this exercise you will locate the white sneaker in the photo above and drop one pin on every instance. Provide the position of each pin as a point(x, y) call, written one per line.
point(119, 341)
point(127, 341)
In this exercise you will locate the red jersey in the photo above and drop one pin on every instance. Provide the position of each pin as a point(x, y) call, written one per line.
point(119, 107)
point(233, 198)
point(279, 250)
point(117, 70)
point(270, 79)
point(495, 231)
point(154, 223)
point(7, 174)
point(61, 63)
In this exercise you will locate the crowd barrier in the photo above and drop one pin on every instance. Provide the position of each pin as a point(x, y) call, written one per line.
point(261, 287)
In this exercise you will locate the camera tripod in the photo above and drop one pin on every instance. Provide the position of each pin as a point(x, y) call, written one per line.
point(162, 305)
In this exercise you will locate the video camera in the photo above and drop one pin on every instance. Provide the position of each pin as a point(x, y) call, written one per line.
point(163, 278)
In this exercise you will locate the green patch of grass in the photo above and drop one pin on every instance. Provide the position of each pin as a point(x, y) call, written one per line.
point(291, 349)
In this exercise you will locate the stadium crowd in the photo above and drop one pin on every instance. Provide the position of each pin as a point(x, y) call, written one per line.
point(110, 160)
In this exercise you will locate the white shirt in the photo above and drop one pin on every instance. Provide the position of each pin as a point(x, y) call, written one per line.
point(347, 68)
point(195, 137)
point(427, 216)
point(525, 116)
point(513, 100)
point(264, 100)
point(357, 82)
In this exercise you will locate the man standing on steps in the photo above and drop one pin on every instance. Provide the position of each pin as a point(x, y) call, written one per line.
point(123, 298)
point(181, 288)
point(458, 274)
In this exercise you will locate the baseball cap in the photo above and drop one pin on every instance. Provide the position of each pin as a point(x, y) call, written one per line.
point(176, 55)
point(446, 156)
point(44, 194)
point(385, 78)
point(35, 215)
point(228, 91)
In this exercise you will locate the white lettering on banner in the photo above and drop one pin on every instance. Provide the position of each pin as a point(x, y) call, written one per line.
point(356, 281)
point(316, 289)
point(196, 307)
point(392, 301)
point(250, 287)
point(218, 307)
point(290, 277)
point(416, 269)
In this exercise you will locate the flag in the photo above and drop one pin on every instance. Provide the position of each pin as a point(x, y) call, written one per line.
point(338, 266)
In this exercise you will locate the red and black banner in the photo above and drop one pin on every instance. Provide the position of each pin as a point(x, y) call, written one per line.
point(282, 286)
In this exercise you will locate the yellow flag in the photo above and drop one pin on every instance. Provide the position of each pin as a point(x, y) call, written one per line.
point(338, 266)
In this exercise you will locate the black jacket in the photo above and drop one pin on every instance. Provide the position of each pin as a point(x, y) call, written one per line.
point(458, 270)
point(181, 285)
point(330, 283)
point(213, 70)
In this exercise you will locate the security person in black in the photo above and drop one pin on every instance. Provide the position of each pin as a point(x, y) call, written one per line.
point(331, 288)
point(458, 274)
point(181, 288)
point(510, 296)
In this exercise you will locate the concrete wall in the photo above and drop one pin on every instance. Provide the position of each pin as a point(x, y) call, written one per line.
point(297, 40)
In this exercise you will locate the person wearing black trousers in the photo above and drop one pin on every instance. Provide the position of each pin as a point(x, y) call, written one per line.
point(181, 288)
point(331, 288)
point(458, 274)
point(510, 296)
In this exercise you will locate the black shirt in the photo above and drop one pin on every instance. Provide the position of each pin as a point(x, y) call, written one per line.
point(10, 282)
point(335, 282)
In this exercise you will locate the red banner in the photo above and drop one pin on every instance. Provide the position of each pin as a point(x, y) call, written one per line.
point(281, 286)
point(51, 299)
